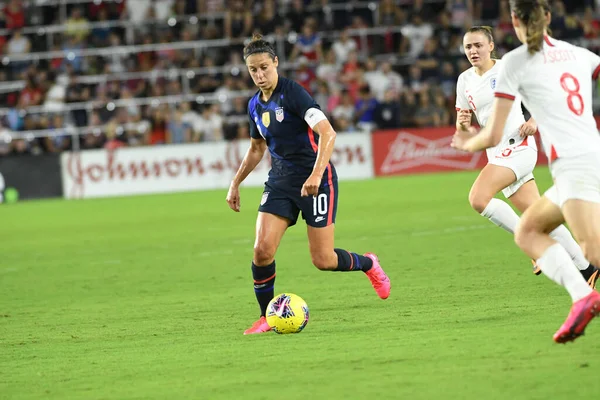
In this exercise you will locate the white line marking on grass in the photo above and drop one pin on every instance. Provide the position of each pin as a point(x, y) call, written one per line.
point(454, 229)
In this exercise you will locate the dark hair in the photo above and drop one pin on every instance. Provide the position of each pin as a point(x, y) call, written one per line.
point(259, 45)
point(533, 14)
point(488, 31)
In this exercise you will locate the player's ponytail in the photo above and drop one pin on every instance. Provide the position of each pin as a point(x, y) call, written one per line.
point(488, 31)
point(533, 14)
point(259, 45)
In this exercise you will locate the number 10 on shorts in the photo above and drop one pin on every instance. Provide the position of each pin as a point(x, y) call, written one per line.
point(320, 204)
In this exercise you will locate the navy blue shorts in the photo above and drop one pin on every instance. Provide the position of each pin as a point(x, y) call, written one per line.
point(285, 201)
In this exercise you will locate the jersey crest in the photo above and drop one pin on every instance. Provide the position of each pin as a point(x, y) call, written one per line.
point(264, 198)
point(493, 83)
point(279, 114)
point(266, 119)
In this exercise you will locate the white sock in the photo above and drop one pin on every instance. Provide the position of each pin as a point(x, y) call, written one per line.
point(564, 237)
point(557, 265)
point(502, 215)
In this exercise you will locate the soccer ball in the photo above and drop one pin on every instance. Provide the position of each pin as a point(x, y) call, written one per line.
point(287, 313)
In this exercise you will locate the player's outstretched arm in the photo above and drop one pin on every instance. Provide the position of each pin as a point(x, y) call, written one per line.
point(253, 156)
point(326, 142)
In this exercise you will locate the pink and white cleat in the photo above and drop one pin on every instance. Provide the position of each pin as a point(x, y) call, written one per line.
point(259, 326)
point(582, 312)
point(379, 280)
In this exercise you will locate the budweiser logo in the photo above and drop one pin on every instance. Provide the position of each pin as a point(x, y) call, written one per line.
point(409, 151)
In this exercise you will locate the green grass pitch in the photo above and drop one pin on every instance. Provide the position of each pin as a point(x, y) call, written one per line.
point(147, 297)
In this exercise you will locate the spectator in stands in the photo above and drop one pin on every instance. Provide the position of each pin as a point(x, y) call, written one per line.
point(238, 20)
point(266, 20)
point(77, 26)
point(441, 115)
point(114, 132)
point(447, 79)
point(308, 44)
point(31, 95)
point(365, 109)
point(328, 70)
point(14, 14)
point(460, 12)
point(60, 140)
point(382, 78)
point(55, 96)
point(429, 60)
point(408, 108)
point(100, 34)
point(343, 47)
point(225, 93)
point(425, 115)
point(415, 79)
point(590, 24)
point(387, 112)
point(414, 36)
point(305, 75)
point(322, 95)
point(17, 45)
point(177, 130)
point(208, 127)
point(445, 31)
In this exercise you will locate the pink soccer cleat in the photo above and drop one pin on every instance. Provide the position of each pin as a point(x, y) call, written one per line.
point(379, 280)
point(259, 326)
point(580, 315)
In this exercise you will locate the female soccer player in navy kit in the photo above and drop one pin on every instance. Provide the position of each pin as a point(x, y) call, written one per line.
point(284, 118)
point(554, 79)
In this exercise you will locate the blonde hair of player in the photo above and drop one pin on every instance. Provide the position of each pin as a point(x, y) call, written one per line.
point(558, 91)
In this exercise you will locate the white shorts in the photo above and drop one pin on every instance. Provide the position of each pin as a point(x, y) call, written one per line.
point(575, 178)
point(520, 157)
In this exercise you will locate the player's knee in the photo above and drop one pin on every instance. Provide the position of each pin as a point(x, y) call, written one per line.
point(322, 261)
point(523, 233)
point(263, 253)
point(591, 251)
point(478, 201)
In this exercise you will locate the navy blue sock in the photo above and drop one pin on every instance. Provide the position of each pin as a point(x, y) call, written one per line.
point(264, 285)
point(352, 262)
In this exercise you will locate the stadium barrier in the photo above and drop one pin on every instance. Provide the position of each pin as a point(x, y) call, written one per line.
point(187, 167)
point(30, 177)
point(203, 166)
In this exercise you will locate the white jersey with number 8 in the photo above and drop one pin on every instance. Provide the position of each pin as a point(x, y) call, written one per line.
point(555, 85)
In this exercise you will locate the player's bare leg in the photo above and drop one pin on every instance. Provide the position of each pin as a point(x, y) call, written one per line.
point(327, 258)
point(533, 237)
point(491, 180)
point(495, 178)
point(269, 231)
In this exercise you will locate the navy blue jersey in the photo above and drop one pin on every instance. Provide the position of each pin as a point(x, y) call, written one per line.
point(292, 143)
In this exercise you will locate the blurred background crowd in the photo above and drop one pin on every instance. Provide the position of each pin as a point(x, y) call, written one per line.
point(83, 74)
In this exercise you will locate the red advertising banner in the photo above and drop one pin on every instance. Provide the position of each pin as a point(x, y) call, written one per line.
point(423, 150)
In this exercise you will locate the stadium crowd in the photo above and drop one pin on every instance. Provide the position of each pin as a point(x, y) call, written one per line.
point(375, 65)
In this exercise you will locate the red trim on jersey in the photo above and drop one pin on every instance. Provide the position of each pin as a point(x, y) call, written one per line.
point(311, 137)
point(547, 40)
point(524, 142)
point(553, 154)
point(331, 195)
point(457, 109)
point(504, 95)
point(596, 72)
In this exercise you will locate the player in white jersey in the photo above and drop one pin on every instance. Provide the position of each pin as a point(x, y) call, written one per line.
point(553, 79)
point(511, 162)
